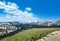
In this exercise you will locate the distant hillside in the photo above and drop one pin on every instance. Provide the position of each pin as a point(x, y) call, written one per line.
point(51, 23)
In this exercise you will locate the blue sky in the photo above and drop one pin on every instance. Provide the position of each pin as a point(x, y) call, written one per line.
point(41, 9)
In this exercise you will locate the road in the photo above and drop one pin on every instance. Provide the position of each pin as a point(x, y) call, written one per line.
point(54, 36)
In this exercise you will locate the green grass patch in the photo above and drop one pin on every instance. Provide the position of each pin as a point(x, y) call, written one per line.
point(30, 35)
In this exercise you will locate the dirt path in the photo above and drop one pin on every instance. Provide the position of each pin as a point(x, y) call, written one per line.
point(54, 36)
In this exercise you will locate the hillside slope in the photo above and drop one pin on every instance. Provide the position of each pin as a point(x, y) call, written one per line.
point(29, 35)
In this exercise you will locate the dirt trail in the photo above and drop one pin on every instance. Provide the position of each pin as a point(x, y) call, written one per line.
point(54, 36)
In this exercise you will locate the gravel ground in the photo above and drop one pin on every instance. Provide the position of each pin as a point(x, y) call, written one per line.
point(54, 36)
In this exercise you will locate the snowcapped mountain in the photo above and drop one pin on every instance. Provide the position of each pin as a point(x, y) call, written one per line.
point(51, 23)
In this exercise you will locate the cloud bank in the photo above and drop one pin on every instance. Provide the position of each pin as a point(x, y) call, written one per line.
point(14, 14)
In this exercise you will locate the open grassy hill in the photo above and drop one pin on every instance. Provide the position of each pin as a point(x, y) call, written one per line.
point(30, 35)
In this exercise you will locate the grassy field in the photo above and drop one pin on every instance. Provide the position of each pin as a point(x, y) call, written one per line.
point(30, 35)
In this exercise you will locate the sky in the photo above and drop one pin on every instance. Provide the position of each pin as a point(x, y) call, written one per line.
point(29, 10)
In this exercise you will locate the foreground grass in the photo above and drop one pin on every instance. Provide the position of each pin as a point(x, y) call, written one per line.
point(30, 35)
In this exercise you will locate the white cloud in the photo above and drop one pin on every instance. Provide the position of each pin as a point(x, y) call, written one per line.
point(28, 8)
point(18, 15)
